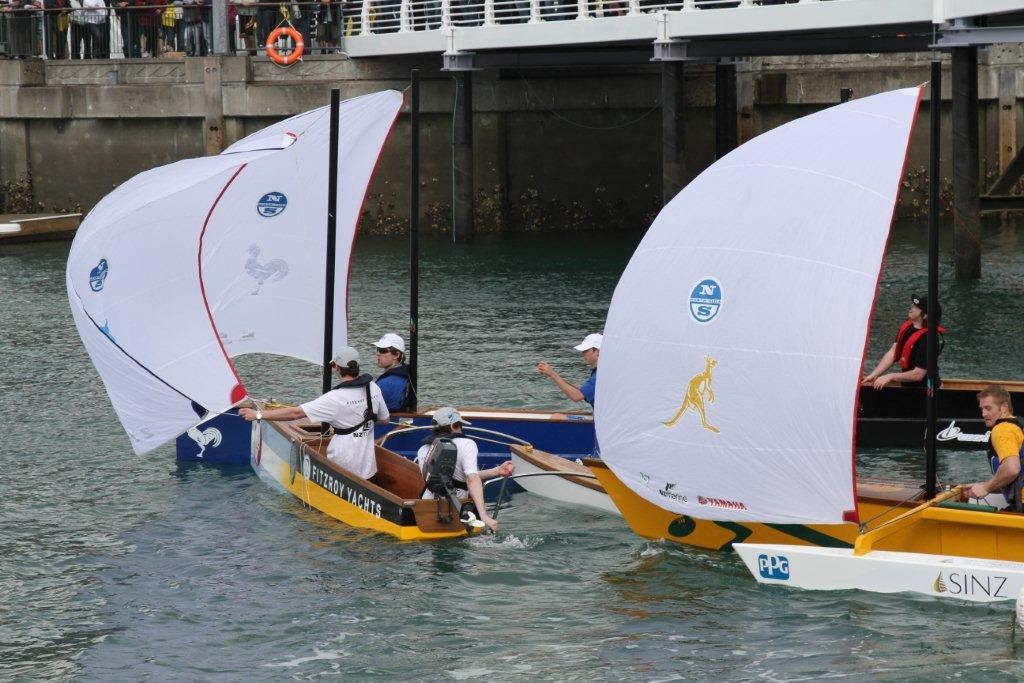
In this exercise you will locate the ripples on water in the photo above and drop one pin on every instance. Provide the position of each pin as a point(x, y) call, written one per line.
point(114, 567)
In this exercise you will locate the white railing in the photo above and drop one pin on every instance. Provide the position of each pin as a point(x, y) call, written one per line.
point(380, 17)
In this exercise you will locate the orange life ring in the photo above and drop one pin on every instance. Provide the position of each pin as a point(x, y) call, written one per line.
point(271, 45)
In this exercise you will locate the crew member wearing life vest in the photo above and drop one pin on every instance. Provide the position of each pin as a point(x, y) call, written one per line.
point(351, 408)
point(467, 477)
point(1004, 447)
point(394, 381)
point(910, 350)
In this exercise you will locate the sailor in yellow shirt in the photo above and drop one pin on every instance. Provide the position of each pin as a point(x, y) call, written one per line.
point(1004, 447)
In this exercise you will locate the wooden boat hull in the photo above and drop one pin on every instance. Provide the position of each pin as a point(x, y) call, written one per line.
point(966, 531)
point(574, 490)
point(291, 456)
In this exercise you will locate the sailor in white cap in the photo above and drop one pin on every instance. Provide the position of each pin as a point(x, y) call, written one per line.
point(394, 381)
point(351, 408)
point(590, 349)
point(467, 477)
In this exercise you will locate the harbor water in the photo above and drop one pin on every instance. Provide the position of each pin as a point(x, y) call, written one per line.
point(116, 567)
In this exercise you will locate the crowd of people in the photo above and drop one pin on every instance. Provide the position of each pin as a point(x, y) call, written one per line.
point(102, 29)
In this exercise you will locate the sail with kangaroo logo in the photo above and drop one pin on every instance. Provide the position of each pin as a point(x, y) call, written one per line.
point(189, 264)
point(734, 342)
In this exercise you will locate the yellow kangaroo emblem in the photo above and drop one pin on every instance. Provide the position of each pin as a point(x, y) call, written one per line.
point(698, 390)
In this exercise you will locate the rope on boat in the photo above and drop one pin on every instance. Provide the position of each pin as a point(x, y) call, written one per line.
point(403, 428)
point(557, 473)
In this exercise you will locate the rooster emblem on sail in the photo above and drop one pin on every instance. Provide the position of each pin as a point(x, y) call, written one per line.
point(210, 436)
point(273, 270)
point(698, 393)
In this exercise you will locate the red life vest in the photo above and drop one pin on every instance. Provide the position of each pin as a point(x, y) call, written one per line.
point(906, 338)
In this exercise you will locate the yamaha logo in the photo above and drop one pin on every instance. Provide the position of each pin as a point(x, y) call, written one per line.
point(271, 204)
point(705, 300)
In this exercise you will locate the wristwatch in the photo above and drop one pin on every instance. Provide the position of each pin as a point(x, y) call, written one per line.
point(259, 415)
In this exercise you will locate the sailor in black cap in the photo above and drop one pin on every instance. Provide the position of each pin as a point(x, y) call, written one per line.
point(910, 350)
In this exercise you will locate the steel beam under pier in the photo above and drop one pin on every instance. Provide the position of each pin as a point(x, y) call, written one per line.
point(966, 202)
point(725, 109)
point(462, 158)
point(673, 159)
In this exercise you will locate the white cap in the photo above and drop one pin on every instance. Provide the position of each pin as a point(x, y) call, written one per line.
point(591, 341)
point(448, 416)
point(391, 341)
point(344, 355)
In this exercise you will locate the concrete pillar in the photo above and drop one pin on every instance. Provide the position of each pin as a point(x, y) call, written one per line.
point(213, 106)
point(1007, 87)
point(220, 27)
point(725, 109)
point(966, 202)
point(745, 101)
point(673, 114)
point(462, 158)
point(14, 163)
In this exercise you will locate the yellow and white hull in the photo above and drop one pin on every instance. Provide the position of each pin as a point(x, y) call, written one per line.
point(978, 533)
point(291, 457)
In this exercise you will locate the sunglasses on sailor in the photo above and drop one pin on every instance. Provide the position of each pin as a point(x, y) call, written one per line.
point(383, 351)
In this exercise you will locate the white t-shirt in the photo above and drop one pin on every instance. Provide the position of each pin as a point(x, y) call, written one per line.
point(344, 408)
point(465, 463)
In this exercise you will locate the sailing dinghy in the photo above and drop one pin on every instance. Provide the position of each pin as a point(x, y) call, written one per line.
point(753, 289)
point(891, 557)
point(188, 265)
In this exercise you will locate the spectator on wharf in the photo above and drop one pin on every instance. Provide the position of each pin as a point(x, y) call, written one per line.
point(55, 25)
point(168, 18)
point(78, 32)
point(147, 17)
point(193, 12)
point(19, 16)
point(126, 17)
point(246, 10)
point(328, 25)
point(97, 19)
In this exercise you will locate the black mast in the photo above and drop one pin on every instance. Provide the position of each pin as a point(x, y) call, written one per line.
point(414, 235)
point(332, 223)
point(933, 277)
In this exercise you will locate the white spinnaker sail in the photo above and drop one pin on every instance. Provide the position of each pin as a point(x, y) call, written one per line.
point(749, 301)
point(264, 248)
point(139, 272)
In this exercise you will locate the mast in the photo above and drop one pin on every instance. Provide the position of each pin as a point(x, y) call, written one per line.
point(932, 338)
point(332, 223)
point(414, 235)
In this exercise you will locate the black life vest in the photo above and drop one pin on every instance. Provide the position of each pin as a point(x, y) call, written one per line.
point(369, 417)
point(438, 468)
point(1011, 492)
point(400, 370)
point(907, 337)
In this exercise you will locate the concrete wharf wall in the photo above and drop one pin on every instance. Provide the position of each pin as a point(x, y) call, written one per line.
point(553, 148)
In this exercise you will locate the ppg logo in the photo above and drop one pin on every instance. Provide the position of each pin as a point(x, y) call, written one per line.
point(773, 567)
point(271, 204)
point(705, 300)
